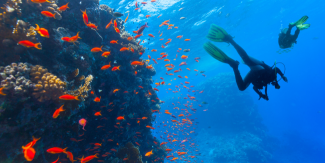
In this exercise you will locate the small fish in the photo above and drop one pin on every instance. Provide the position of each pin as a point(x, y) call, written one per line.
point(57, 160)
point(64, 7)
point(184, 57)
point(41, 1)
point(127, 18)
point(56, 150)
point(70, 156)
point(29, 44)
point(182, 18)
point(29, 154)
point(114, 42)
point(42, 31)
point(106, 54)
point(98, 113)
point(68, 97)
point(109, 24)
point(57, 112)
point(130, 38)
point(88, 158)
point(106, 66)
point(118, 14)
point(136, 63)
point(186, 50)
point(48, 14)
point(96, 49)
point(115, 90)
point(97, 99)
point(120, 118)
point(150, 35)
point(187, 40)
point(116, 68)
point(92, 26)
point(148, 154)
point(124, 49)
point(84, 16)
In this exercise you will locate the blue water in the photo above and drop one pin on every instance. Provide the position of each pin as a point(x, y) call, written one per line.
point(294, 115)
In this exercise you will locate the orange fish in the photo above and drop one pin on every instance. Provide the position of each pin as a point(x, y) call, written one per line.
point(42, 31)
point(87, 159)
point(109, 24)
point(84, 16)
point(143, 118)
point(56, 150)
point(153, 50)
point(97, 99)
point(116, 68)
point(106, 54)
point(70, 156)
point(57, 112)
point(115, 90)
point(187, 39)
point(48, 14)
point(168, 150)
point(98, 113)
point(147, 16)
point(120, 118)
point(148, 154)
point(96, 49)
point(132, 50)
point(184, 57)
point(179, 36)
point(151, 35)
point(137, 36)
point(64, 7)
point(124, 49)
point(29, 44)
point(29, 154)
point(68, 97)
point(106, 66)
point(41, 1)
point(92, 26)
point(136, 63)
point(1, 92)
point(127, 18)
point(57, 160)
point(117, 30)
point(114, 42)
point(130, 38)
point(115, 23)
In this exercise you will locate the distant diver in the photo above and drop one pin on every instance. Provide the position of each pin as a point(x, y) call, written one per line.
point(286, 40)
point(260, 74)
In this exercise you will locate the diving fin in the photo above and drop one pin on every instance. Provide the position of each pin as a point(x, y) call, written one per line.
point(303, 26)
point(216, 33)
point(216, 53)
point(300, 21)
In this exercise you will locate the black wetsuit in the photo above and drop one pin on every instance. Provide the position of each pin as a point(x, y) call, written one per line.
point(286, 40)
point(260, 74)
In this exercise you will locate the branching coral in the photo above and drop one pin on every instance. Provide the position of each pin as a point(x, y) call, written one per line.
point(48, 86)
point(131, 152)
point(82, 91)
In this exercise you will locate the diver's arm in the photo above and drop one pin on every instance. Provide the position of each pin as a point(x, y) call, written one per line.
point(261, 94)
point(278, 71)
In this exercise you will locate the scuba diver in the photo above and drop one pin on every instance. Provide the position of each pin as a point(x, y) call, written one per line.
point(286, 40)
point(260, 74)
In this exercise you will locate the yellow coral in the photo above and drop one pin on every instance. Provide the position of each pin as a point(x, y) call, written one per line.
point(48, 85)
point(82, 91)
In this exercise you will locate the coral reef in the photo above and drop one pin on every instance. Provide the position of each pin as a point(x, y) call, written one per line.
point(47, 85)
point(14, 78)
point(130, 152)
point(241, 147)
point(23, 117)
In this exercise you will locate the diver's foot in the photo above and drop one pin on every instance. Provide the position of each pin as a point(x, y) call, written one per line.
point(234, 64)
point(291, 25)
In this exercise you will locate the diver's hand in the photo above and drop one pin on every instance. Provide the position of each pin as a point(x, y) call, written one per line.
point(265, 97)
point(285, 79)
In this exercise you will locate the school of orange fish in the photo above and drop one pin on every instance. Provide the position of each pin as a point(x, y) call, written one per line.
point(180, 122)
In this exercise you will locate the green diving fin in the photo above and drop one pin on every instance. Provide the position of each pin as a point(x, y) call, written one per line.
point(216, 53)
point(300, 21)
point(303, 26)
point(216, 33)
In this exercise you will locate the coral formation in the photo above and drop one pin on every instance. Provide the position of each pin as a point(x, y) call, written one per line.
point(82, 91)
point(47, 85)
point(14, 78)
point(131, 152)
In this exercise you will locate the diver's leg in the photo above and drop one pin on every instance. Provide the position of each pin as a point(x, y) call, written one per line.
point(243, 84)
point(242, 53)
point(288, 34)
point(295, 36)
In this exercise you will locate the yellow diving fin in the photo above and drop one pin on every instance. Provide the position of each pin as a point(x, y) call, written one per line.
point(300, 21)
point(216, 53)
